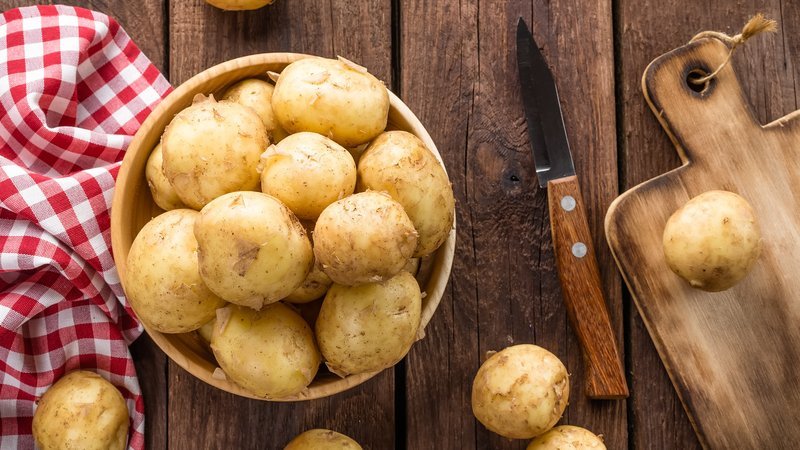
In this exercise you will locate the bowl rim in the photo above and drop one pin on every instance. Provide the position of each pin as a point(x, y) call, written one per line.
point(443, 257)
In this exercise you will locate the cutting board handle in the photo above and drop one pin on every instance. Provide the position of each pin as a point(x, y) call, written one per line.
point(686, 109)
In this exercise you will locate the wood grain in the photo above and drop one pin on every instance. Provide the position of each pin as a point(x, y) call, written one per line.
point(201, 36)
point(769, 77)
point(504, 287)
point(730, 354)
point(582, 291)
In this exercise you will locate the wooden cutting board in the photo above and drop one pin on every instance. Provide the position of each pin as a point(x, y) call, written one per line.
point(733, 356)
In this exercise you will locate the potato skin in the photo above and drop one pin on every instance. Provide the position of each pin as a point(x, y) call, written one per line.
point(256, 94)
point(320, 439)
point(212, 148)
point(164, 284)
point(239, 5)
point(334, 98)
point(252, 250)
point(399, 163)
point(520, 392)
point(271, 353)
point(364, 238)
point(314, 286)
point(567, 437)
point(712, 241)
point(307, 172)
point(369, 327)
point(160, 188)
point(81, 410)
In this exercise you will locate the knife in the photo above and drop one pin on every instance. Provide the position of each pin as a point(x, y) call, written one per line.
point(575, 256)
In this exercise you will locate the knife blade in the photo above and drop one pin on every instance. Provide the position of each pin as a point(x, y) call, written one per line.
point(575, 256)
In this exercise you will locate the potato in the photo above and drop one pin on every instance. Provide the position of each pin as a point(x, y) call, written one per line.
point(164, 285)
point(320, 439)
point(369, 327)
point(412, 266)
point(520, 392)
point(252, 250)
point(163, 193)
point(239, 5)
point(567, 437)
point(256, 94)
point(81, 410)
point(270, 353)
point(212, 148)
point(206, 330)
point(713, 240)
point(314, 286)
point(364, 238)
point(398, 162)
point(334, 98)
point(307, 172)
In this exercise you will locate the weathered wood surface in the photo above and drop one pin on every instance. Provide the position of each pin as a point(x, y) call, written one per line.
point(453, 64)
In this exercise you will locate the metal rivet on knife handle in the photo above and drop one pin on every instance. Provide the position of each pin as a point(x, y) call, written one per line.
point(568, 202)
point(579, 249)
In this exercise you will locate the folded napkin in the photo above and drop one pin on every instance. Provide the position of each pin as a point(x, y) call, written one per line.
point(73, 90)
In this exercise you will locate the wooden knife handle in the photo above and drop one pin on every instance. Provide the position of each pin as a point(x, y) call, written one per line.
point(583, 294)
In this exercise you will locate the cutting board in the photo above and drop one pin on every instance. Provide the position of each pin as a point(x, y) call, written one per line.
point(733, 356)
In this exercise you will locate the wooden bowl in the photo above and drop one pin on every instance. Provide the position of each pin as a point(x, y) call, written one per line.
point(133, 207)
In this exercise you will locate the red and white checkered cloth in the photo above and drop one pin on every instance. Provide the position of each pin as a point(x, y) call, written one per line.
point(73, 90)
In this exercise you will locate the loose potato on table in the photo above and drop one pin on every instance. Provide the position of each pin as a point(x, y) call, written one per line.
point(334, 98)
point(252, 250)
point(307, 172)
point(369, 327)
point(567, 437)
point(713, 240)
point(162, 191)
point(256, 94)
point(271, 353)
point(520, 392)
point(398, 162)
point(81, 411)
point(164, 284)
point(212, 148)
point(364, 238)
point(320, 439)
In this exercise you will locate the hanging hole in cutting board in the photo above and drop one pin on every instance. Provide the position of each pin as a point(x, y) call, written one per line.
point(691, 81)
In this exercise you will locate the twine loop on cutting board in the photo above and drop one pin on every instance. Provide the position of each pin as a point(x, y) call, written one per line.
point(756, 25)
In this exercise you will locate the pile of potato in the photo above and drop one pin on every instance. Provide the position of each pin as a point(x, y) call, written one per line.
point(281, 195)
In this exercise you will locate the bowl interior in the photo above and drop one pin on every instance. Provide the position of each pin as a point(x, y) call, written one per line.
point(133, 207)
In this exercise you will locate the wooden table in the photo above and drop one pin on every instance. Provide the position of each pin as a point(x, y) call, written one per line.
point(453, 63)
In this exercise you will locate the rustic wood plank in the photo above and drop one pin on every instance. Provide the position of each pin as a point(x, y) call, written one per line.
point(504, 287)
point(769, 80)
point(200, 36)
point(144, 23)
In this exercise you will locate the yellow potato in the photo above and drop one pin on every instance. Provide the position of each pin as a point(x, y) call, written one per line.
point(334, 98)
point(320, 439)
point(212, 148)
point(364, 238)
point(271, 353)
point(239, 5)
point(206, 330)
point(412, 266)
point(398, 162)
point(252, 250)
point(256, 94)
point(81, 411)
point(567, 437)
point(164, 285)
point(307, 172)
point(369, 327)
point(520, 392)
point(713, 240)
point(314, 286)
point(163, 193)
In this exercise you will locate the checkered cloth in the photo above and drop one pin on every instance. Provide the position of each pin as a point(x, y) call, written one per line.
point(73, 90)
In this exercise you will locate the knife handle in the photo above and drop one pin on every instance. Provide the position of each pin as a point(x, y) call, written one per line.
point(583, 295)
